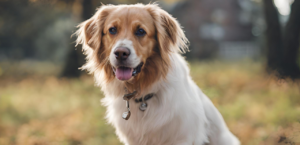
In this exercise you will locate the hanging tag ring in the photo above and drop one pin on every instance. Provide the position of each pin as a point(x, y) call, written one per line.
point(126, 115)
point(144, 105)
point(127, 97)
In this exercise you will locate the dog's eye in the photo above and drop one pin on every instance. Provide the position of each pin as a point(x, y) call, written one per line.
point(140, 32)
point(112, 30)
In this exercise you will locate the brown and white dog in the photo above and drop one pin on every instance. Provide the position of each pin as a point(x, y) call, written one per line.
point(138, 47)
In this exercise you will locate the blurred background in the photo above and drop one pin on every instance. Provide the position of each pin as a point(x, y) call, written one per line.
point(244, 56)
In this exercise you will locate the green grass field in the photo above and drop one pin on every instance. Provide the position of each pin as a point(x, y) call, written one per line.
point(37, 108)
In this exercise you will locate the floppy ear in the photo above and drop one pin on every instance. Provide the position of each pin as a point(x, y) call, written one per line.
point(169, 34)
point(89, 33)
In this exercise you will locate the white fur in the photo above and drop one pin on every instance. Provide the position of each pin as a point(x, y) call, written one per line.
point(179, 113)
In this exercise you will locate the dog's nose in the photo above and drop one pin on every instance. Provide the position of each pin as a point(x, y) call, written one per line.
point(122, 53)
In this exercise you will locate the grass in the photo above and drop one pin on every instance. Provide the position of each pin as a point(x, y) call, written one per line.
point(42, 109)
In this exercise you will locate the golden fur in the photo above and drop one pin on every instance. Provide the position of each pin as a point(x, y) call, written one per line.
point(163, 32)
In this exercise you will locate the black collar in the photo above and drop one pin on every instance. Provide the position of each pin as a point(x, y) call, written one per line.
point(147, 97)
point(143, 107)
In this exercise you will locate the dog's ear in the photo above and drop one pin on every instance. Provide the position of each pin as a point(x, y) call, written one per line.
point(169, 34)
point(89, 32)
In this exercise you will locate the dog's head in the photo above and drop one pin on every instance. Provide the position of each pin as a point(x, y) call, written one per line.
point(131, 42)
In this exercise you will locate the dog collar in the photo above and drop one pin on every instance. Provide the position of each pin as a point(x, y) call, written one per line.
point(143, 106)
point(147, 97)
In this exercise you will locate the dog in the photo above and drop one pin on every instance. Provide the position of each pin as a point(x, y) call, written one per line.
point(134, 53)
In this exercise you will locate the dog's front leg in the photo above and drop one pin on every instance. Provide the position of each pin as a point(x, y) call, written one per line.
point(218, 132)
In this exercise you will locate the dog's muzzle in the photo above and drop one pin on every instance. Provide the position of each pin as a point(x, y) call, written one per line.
point(125, 73)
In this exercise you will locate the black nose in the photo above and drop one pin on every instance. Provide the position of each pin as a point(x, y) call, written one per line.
point(122, 53)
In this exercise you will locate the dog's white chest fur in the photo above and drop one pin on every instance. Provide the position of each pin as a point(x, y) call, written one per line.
point(176, 115)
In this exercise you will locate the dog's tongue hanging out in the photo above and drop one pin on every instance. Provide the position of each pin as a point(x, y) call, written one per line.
point(124, 73)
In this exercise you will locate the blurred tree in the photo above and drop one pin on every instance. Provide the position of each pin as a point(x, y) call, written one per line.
point(273, 35)
point(75, 58)
point(20, 24)
point(283, 48)
point(34, 29)
point(291, 43)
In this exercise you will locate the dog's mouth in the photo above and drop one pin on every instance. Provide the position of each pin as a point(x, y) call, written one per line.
point(125, 73)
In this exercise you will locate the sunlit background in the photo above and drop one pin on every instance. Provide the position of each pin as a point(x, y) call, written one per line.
point(244, 56)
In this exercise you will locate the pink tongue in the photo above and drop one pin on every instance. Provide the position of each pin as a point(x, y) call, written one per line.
point(124, 73)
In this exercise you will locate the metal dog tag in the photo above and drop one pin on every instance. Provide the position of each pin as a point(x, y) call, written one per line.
point(126, 115)
point(127, 97)
point(143, 106)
